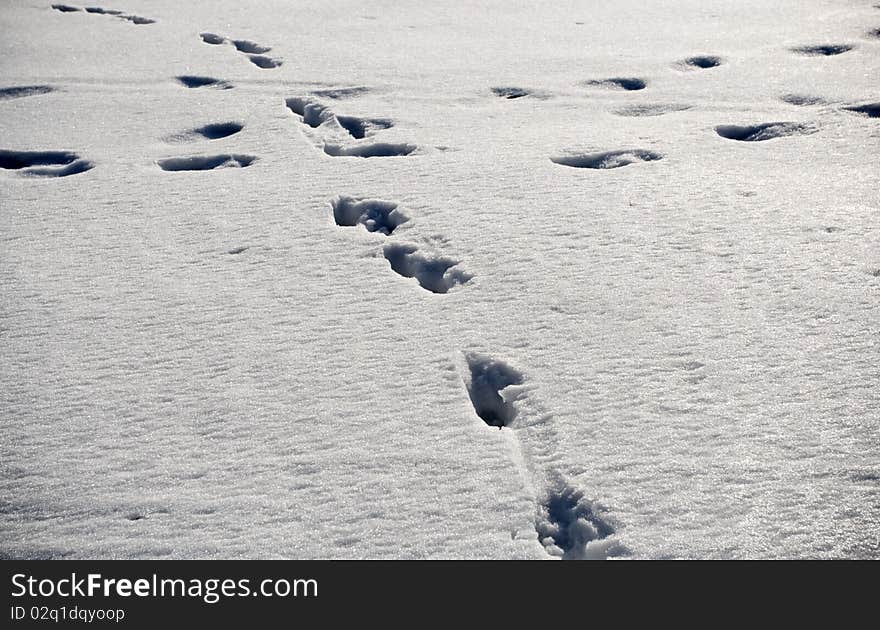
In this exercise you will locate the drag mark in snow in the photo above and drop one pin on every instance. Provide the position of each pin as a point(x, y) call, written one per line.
point(567, 524)
point(44, 163)
point(206, 162)
point(871, 110)
point(375, 215)
point(659, 109)
point(607, 159)
point(764, 131)
point(437, 274)
point(196, 81)
point(20, 91)
point(619, 83)
point(822, 50)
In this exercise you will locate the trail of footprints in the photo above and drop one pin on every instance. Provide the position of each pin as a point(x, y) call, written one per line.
point(255, 53)
point(334, 133)
point(567, 523)
point(432, 271)
point(134, 19)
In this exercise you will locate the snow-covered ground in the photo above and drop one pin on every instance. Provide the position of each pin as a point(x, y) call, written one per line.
point(291, 358)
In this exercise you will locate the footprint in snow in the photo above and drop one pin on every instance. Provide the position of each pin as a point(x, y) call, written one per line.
point(765, 131)
point(608, 159)
point(206, 162)
point(44, 163)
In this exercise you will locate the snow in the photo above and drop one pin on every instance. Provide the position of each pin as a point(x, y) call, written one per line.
point(298, 339)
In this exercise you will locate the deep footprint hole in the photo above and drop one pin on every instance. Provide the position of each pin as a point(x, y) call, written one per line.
point(488, 378)
point(608, 159)
point(375, 215)
point(437, 274)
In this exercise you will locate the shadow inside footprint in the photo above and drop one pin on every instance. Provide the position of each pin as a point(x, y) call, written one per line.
point(572, 527)
point(44, 163)
point(373, 214)
point(822, 50)
point(619, 83)
point(488, 378)
point(249, 47)
point(196, 81)
point(510, 93)
point(215, 131)
point(871, 110)
point(206, 162)
point(213, 39)
point(359, 128)
point(801, 100)
point(765, 131)
point(436, 274)
point(608, 159)
point(650, 109)
point(703, 61)
point(20, 91)
point(378, 149)
point(266, 63)
point(312, 112)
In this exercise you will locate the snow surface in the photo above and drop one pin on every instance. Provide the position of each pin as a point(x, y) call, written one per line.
point(655, 223)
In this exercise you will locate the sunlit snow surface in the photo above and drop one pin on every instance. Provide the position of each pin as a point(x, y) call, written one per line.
point(643, 238)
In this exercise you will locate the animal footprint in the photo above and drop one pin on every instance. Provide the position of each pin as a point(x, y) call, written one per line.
point(206, 162)
point(765, 131)
point(374, 215)
point(608, 159)
point(436, 274)
point(44, 163)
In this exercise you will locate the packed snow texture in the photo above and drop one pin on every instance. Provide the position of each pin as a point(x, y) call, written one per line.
point(440, 280)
